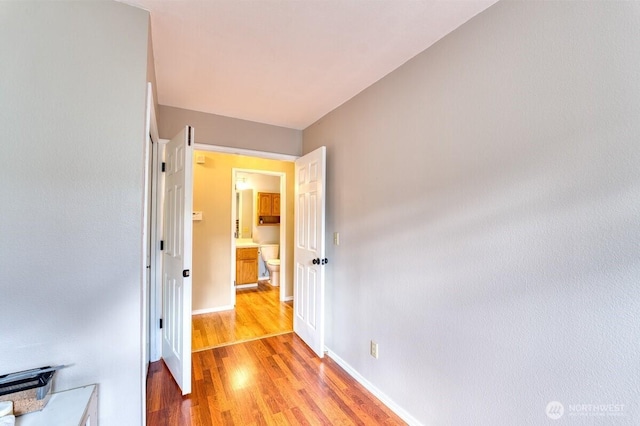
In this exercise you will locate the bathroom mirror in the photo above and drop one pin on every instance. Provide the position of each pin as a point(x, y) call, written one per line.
point(244, 213)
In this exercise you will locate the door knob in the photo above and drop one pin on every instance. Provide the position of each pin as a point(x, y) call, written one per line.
point(316, 261)
point(325, 261)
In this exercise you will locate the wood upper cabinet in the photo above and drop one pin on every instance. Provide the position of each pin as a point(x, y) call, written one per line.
point(268, 208)
point(246, 265)
point(265, 203)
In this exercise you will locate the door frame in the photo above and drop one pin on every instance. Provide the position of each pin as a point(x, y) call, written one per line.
point(157, 217)
point(283, 230)
point(283, 221)
point(155, 308)
point(149, 256)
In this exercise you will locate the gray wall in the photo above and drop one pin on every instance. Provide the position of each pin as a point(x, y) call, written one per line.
point(214, 129)
point(488, 199)
point(72, 103)
point(151, 68)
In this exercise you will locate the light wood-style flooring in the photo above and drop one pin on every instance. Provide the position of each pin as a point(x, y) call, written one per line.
point(272, 381)
point(258, 313)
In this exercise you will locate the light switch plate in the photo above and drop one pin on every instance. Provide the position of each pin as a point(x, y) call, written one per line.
point(374, 349)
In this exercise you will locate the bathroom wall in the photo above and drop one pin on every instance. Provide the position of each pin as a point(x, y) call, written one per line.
point(487, 195)
point(212, 189)
point(264, 234)
point(264, 183)
point(245, 213)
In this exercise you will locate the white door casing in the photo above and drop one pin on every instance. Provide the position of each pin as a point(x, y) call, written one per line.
point(155, 235)
point(176, 276)
point(147, 245)
point(309, 254)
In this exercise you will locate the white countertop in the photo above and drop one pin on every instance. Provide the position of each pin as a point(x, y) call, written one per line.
point(63, 409)
point(246, 243)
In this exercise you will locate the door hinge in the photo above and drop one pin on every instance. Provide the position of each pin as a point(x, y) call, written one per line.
point(185, 273)
point(161, 244)
point(190, 132)
point(164, 166)
point(160, 322)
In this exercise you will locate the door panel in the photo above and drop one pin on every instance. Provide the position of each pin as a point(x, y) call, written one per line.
point(176, 277)
point(308, 321)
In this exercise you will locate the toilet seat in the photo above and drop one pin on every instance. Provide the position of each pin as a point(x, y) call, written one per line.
point(273, 262)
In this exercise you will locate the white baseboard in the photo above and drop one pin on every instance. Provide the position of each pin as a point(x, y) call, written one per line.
point(210, 310)
point(401, 412)
point(243, 286)
point(288, 299)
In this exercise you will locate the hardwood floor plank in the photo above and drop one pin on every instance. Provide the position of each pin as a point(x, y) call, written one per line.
point(338, 382)
point(313, 408)
point(273, 381)
point(298, 417)
point(258, 313)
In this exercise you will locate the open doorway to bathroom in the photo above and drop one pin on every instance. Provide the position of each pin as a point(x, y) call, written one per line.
point(227, 217)
point(257, 226)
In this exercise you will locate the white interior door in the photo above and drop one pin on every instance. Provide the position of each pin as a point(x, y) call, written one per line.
point(308, 298)
point(176, 274)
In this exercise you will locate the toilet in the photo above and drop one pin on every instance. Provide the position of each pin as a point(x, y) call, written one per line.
point(269, 253)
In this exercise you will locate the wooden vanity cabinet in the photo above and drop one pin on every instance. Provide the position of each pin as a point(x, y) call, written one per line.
point(246, 265)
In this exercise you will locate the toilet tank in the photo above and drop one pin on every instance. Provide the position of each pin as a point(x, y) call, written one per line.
point(269, 251)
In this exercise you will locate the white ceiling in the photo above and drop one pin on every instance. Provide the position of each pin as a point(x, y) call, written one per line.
point(288, 62)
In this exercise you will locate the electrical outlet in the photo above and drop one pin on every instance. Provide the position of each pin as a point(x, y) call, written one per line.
point(374, 349)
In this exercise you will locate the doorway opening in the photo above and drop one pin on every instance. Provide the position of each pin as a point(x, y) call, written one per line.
point(226, 218)
point(254, 229)
point(307, 182)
